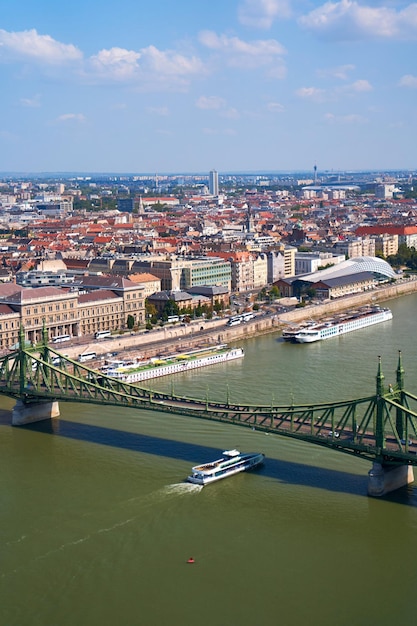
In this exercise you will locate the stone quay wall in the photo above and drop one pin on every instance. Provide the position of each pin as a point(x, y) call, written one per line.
point(216, 331)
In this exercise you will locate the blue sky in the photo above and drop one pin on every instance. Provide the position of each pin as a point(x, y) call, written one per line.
point(187, 86)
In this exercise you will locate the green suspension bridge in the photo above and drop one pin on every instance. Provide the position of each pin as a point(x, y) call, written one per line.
point(381, 428)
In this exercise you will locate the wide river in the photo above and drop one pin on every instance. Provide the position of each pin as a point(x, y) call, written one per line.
point(97, 524)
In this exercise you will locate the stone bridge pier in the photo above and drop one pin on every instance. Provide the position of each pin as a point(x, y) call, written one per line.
point(383, 479)
point(30, 412)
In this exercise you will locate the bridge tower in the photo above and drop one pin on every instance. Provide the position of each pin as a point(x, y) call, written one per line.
point(24, 411)
point(400, 412)
point(383, 478)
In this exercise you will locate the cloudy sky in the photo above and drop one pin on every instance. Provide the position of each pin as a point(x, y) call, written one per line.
point(190, 85)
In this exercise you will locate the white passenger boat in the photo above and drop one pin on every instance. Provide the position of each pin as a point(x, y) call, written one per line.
point(347, 323)
point(153, 368)
point(290, 332)
point(232, 462)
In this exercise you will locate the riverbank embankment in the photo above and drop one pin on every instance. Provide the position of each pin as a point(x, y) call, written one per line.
point(182, 337)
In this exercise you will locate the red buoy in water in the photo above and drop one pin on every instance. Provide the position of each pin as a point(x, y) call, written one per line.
point(191, 560)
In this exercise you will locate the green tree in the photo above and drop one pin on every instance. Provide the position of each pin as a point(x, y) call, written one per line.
point(170, 308)
point(130, 322)
point(151, 312)
point(405, 257)
point(159, 207)
point(262, 294)
point(274, 292)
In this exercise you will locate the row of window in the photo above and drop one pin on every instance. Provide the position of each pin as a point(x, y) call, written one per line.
point(133, 296)
point(7, 325)
point(51, 318)
point(50, 308)
point(101, 311)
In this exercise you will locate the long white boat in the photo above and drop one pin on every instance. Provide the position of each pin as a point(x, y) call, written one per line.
point(290, 332)
point(153, 368)
point(347, 323)
point(232, 462)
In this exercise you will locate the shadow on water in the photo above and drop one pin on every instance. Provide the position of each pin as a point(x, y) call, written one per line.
point(283, 471)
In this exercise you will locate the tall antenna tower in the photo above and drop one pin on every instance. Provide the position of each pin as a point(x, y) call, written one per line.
point(315, 174)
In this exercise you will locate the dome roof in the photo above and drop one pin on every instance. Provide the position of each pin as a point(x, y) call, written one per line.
point(354, 266)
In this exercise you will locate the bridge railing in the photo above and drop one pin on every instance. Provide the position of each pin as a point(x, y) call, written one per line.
point(382, 426)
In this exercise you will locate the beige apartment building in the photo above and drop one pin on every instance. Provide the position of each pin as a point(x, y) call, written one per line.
point(66, 312)
point(249, 271)
point(107, 314)
point(150, 283)
point(361, 246)
point(386, 245)
point(100, 310)
point(31, 307)
point(177, 272)
point(260, 271)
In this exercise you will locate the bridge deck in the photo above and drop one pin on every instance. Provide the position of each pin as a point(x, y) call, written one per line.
point(379, 427)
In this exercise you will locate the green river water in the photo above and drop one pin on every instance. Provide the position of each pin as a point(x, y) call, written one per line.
point(97, 524)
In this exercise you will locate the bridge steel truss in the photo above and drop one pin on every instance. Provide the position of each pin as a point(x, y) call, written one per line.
point(381, 428)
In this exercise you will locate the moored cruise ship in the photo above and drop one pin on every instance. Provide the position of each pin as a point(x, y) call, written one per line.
point(354, 320)
point(290, 332)
point(153, 368)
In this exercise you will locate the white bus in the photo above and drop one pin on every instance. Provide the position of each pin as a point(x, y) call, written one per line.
point(87, 356)
point(247, 316)
point(234, 321)
point(102, 334)
point(173, 318)
point(61, 338)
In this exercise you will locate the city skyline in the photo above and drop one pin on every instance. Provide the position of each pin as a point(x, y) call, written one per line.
point(248, 85)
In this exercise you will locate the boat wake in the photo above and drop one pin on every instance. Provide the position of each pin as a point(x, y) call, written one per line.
point(181, 489)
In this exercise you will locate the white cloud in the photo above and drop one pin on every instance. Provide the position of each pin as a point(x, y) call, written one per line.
point(116, 63)
point(31, 102)
point(352, 118)
point(340, 72)
point(243, 54)
point(275, 107)
point(162, 111)
point(262, 13)
point(231, 113)
point(29, 45)
point(311, 93)
point(347, 19)
point(356, 88)
point(315, 94)
point(210, 102)
point(215, 103)
point(361, 86)
point(408, 81)
point(148, 67)
point(169, 63)
point(70, 117)
point(278, 71)
point(216, 131)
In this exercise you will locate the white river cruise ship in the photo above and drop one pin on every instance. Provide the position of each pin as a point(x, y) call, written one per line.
point(138, 371)
point(347, 323)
